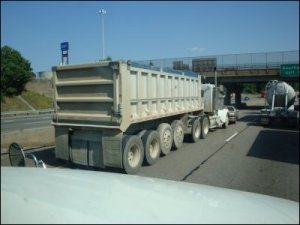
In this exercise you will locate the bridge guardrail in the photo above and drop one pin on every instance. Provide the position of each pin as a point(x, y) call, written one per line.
point(28, 112)
point(260, 60)
point(250, 66)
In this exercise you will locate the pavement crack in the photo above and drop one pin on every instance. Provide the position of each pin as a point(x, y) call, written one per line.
point(210, 156)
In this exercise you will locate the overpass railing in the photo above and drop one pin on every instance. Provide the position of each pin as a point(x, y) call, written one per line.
point(265, 60)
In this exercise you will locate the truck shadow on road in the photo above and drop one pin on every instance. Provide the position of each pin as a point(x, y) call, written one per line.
point(254, 120)
point(269, 144)
point(251, 119)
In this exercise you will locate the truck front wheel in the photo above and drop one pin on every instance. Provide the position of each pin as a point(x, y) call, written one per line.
point(204, 127)
point(196, 130)
point(133, 153)
point(225, 124)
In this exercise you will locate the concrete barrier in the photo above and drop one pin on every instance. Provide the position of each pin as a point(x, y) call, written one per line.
point(43, 136)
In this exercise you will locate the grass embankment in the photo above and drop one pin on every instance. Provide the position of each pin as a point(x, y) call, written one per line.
point(36, 100)
point(13, 104)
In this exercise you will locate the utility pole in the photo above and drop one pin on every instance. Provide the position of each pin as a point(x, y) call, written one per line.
point(103, 12)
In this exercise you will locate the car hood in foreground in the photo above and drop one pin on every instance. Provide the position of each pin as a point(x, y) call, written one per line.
point(35, 195)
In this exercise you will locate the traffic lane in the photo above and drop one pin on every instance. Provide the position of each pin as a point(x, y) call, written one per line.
point(179, 163)
point(163, 168)
point(260, 160)
point(221, 160)
point(16, 123)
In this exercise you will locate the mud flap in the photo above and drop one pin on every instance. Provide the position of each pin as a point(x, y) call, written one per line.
point(112, 149)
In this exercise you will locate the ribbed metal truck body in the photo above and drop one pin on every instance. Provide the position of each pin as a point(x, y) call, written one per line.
point(115, 95)
point(97, 104)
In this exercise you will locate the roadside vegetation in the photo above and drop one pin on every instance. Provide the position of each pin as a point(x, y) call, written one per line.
point(13, 104)
point(16, 71)
point(36, 100)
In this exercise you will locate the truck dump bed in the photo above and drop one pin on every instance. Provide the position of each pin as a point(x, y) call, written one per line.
point(115, 95)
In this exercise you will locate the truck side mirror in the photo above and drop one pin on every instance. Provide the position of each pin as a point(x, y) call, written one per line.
point(16, 155)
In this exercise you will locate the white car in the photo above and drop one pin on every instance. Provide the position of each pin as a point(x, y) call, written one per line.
point(38, 196)
point(233, 114)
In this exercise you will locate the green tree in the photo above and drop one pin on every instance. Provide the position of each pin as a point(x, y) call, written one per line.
point(16, 71)
point(249, 88)
point(108, 58)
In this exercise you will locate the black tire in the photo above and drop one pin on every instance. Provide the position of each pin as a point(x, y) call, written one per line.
point(178, 134)
point(141, 133)
point(196, 130)
point(165, 137)
point(265, 121)
point(133, 153)
point(151, 146)
point(204, 127)
point(236, 119)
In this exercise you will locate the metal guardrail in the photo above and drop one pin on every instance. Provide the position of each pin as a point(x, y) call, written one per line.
point(250, 66)
point(28, 112)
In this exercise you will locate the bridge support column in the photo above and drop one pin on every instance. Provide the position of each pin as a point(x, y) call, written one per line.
point(238, 99)
point(227, 99)
point(238, 95)
point(230, 89)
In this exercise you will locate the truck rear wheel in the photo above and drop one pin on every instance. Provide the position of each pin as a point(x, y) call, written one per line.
point(165, 137)
point(196, 130)
point(204, 127)
point(178, 133)
point(141, 133)
point(133, 153)
point(151, 146)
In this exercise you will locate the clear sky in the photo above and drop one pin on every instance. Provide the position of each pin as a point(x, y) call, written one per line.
point(146, 30)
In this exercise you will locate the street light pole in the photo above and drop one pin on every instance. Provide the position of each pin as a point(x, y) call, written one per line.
point(102, 11)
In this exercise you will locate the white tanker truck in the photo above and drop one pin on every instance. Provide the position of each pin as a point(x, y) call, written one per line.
point(279, 104)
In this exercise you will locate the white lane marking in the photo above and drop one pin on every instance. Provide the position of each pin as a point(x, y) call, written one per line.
point(232, 136)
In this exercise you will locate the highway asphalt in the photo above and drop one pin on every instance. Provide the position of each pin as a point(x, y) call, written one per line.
point(245, 156)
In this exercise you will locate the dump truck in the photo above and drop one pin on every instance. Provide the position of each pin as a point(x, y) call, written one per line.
point(122, 114)
point(279, 104)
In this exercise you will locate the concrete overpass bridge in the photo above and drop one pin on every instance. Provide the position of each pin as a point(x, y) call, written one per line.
point(234, 79)
point(235, 70)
